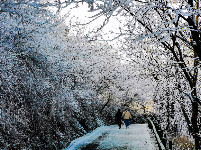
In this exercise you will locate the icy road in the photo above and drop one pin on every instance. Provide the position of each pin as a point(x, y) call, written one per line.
point(136, 137)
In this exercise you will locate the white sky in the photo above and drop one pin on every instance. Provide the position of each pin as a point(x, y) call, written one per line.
point(82, 15)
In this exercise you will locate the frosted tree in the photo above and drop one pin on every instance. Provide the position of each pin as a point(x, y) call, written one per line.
point(49, 77)
point(175, 27)
point(46, 88)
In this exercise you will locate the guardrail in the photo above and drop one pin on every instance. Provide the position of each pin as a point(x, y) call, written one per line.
point(160, 136)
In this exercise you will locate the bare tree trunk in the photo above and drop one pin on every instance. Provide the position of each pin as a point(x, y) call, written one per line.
point(195, 124)
point(105, 105)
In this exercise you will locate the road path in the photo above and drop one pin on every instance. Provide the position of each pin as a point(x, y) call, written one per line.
point(136, 137)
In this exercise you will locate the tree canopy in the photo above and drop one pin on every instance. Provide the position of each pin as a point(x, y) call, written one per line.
point(57, 83)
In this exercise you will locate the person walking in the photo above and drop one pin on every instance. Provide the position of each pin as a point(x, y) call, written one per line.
point(126, 116)
point(118, 117)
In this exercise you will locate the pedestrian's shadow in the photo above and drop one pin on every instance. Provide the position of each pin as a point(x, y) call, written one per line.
point(91, 146)
point(94, 145)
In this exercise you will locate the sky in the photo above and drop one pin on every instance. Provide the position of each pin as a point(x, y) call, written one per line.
point(83, 15)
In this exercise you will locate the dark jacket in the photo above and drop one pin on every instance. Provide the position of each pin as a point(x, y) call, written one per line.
point(118, 116)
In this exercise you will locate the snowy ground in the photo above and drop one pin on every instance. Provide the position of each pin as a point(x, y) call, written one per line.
point(136, 137)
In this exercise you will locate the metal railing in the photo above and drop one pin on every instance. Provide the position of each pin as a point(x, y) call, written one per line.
point(159, 134)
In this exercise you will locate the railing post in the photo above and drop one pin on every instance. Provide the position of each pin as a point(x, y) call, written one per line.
point(164, 141)
point(170, 145)
point(160, 133)
point(158, 138)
